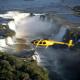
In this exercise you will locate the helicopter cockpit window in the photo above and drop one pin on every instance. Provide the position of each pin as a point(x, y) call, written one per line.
point(44, 42)
point(35, 42)
point(40, 42)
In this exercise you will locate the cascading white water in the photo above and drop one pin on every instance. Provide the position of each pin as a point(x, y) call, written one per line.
point(18, 17)
point(26, 25)
point(12, 24)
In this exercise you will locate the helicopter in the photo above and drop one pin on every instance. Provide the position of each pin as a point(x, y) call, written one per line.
point(47, 43)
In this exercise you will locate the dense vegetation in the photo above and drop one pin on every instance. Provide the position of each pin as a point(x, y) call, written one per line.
point(15, 68)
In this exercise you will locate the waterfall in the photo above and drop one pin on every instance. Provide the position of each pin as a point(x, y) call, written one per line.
point(14, 25)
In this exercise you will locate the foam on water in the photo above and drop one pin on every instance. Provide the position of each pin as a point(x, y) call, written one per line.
point(36, 57)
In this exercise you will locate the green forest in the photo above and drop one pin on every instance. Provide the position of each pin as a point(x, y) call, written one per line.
point(15, 68)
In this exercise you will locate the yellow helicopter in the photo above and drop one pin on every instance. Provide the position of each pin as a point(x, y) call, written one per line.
point(47, 42)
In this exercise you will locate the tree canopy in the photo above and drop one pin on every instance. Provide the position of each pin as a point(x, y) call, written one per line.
point(15, 68)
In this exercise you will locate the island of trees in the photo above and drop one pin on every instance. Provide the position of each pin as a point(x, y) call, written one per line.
point(15, 68)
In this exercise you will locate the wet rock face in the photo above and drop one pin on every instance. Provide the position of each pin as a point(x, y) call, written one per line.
point(5, 31)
